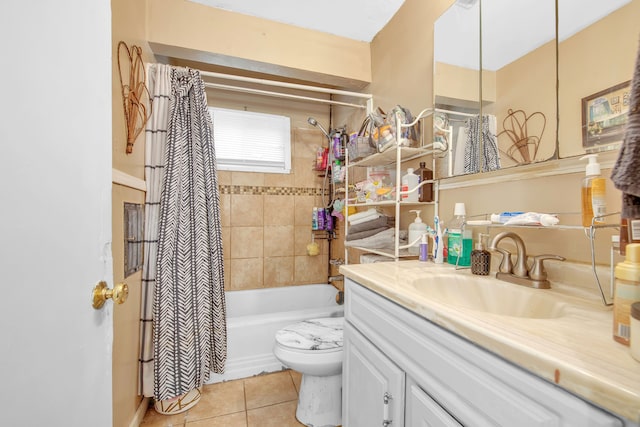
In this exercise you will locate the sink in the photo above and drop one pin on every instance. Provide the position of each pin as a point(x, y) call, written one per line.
point(489, 295)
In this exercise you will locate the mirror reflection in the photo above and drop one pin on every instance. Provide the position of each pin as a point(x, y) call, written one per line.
point(518, 89)
point(597, 42)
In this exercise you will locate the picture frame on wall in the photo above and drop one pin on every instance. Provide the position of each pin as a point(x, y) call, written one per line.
point(604, 115)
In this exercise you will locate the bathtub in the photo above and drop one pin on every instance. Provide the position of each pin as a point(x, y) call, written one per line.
point(254, 316)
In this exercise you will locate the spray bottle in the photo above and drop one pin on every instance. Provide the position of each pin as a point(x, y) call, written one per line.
point(593, 193)
point(416, 230)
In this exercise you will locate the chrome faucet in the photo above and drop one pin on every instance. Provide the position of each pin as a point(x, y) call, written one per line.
point(519, 273)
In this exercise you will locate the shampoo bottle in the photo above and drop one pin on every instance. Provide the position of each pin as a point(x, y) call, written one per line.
point(593, 193)
point(416, 230)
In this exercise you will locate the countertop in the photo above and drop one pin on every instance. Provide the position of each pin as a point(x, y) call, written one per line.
point(576, 351)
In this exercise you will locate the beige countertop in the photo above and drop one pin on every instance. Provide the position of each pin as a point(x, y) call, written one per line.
point(574, 350)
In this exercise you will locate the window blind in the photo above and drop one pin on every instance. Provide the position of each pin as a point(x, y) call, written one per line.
point(251, 142)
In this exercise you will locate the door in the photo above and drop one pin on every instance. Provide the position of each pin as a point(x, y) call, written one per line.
point(55, 216)
point(372, 385)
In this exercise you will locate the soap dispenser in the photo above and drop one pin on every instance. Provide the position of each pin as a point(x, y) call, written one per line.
point(416, 230)
point(593, 193)
point(480, 257)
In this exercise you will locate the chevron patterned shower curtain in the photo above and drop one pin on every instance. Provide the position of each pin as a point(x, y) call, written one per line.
point(184, 287)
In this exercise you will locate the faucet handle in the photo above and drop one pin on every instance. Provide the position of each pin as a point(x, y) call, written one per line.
point(537, 271)
point(506, 265)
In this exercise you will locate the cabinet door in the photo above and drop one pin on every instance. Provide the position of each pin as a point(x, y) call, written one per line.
point(423, 411)
point(373, 386)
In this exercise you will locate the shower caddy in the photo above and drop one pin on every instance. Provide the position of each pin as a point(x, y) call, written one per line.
point(396, 156)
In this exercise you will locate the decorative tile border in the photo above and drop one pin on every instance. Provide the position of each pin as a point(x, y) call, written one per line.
point(271, 191)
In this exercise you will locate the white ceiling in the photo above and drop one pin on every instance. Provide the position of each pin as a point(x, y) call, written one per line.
point(510, 28)
point(355, 19)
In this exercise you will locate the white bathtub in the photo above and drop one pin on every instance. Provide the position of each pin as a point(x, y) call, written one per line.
point(254, 316)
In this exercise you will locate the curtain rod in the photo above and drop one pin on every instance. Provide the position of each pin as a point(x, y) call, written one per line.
point(458, 113)
point(286, 85)
point(281, 95)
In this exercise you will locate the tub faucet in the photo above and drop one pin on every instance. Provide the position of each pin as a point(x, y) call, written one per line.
point(520, 273)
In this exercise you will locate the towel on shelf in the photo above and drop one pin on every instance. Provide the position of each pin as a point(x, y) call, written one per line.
point(383, 240)
point(365, 219)
point(365, 233)
point(360, 217)
point(382, 221)
point(626, 172)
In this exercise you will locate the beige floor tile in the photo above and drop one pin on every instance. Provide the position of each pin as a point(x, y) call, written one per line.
point(154, 419)
point(280, 415)
point(297, 379)
point(269, 389)
point(218, 399)
point(239, 419)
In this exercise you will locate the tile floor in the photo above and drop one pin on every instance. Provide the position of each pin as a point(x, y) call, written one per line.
point(262, 401)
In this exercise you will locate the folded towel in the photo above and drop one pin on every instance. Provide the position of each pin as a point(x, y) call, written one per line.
point(383, 240)
point(365, 233)
point(626, 171)
point(382, 221)
point(364, 219)
point(369, 213)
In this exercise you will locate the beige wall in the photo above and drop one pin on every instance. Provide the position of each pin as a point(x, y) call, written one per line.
point(528, 84)
point(126, 317)
point(127, 24)
point(208, 34)
point(599, 57)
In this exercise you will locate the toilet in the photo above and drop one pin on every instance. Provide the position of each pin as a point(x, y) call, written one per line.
point(313, 347)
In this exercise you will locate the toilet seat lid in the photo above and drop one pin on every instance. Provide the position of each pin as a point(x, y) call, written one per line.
point(313, 334)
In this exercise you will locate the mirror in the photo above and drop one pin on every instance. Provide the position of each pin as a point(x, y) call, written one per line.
point(597, 45)
point(456, 82)
point(518, 84)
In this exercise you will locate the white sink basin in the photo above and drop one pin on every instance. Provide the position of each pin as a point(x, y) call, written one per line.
point(489, 295)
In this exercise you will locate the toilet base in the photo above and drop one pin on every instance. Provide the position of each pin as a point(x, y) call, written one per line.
point(320, 401)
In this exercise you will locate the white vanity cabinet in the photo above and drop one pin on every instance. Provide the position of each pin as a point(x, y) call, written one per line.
point(436, 378)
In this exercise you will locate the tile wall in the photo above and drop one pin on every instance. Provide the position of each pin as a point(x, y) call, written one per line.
point(266, 221)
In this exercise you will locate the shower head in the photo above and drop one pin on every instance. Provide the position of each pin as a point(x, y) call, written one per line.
point(314, 122)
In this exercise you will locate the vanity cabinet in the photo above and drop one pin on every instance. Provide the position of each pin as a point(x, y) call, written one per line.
point(436, 378)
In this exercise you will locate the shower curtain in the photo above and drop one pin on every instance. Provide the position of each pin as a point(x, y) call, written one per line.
point(183, 305)
point(490, 155)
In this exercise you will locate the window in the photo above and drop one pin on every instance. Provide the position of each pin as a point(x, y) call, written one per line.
point(251, 142)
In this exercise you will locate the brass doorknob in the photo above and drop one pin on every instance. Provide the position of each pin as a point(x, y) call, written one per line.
point(101, 293)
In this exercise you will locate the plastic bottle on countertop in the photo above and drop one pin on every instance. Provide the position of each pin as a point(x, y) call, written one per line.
point(424, 248)
point(593, 193)
point(459, 241)
point(409, 182)
point(626, 292)
point(416, 229)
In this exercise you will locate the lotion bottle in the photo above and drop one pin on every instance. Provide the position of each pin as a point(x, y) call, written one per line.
point(593, 193)
point(416, 229)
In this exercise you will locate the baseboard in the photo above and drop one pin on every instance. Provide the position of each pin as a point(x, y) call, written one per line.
point(140, 412)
